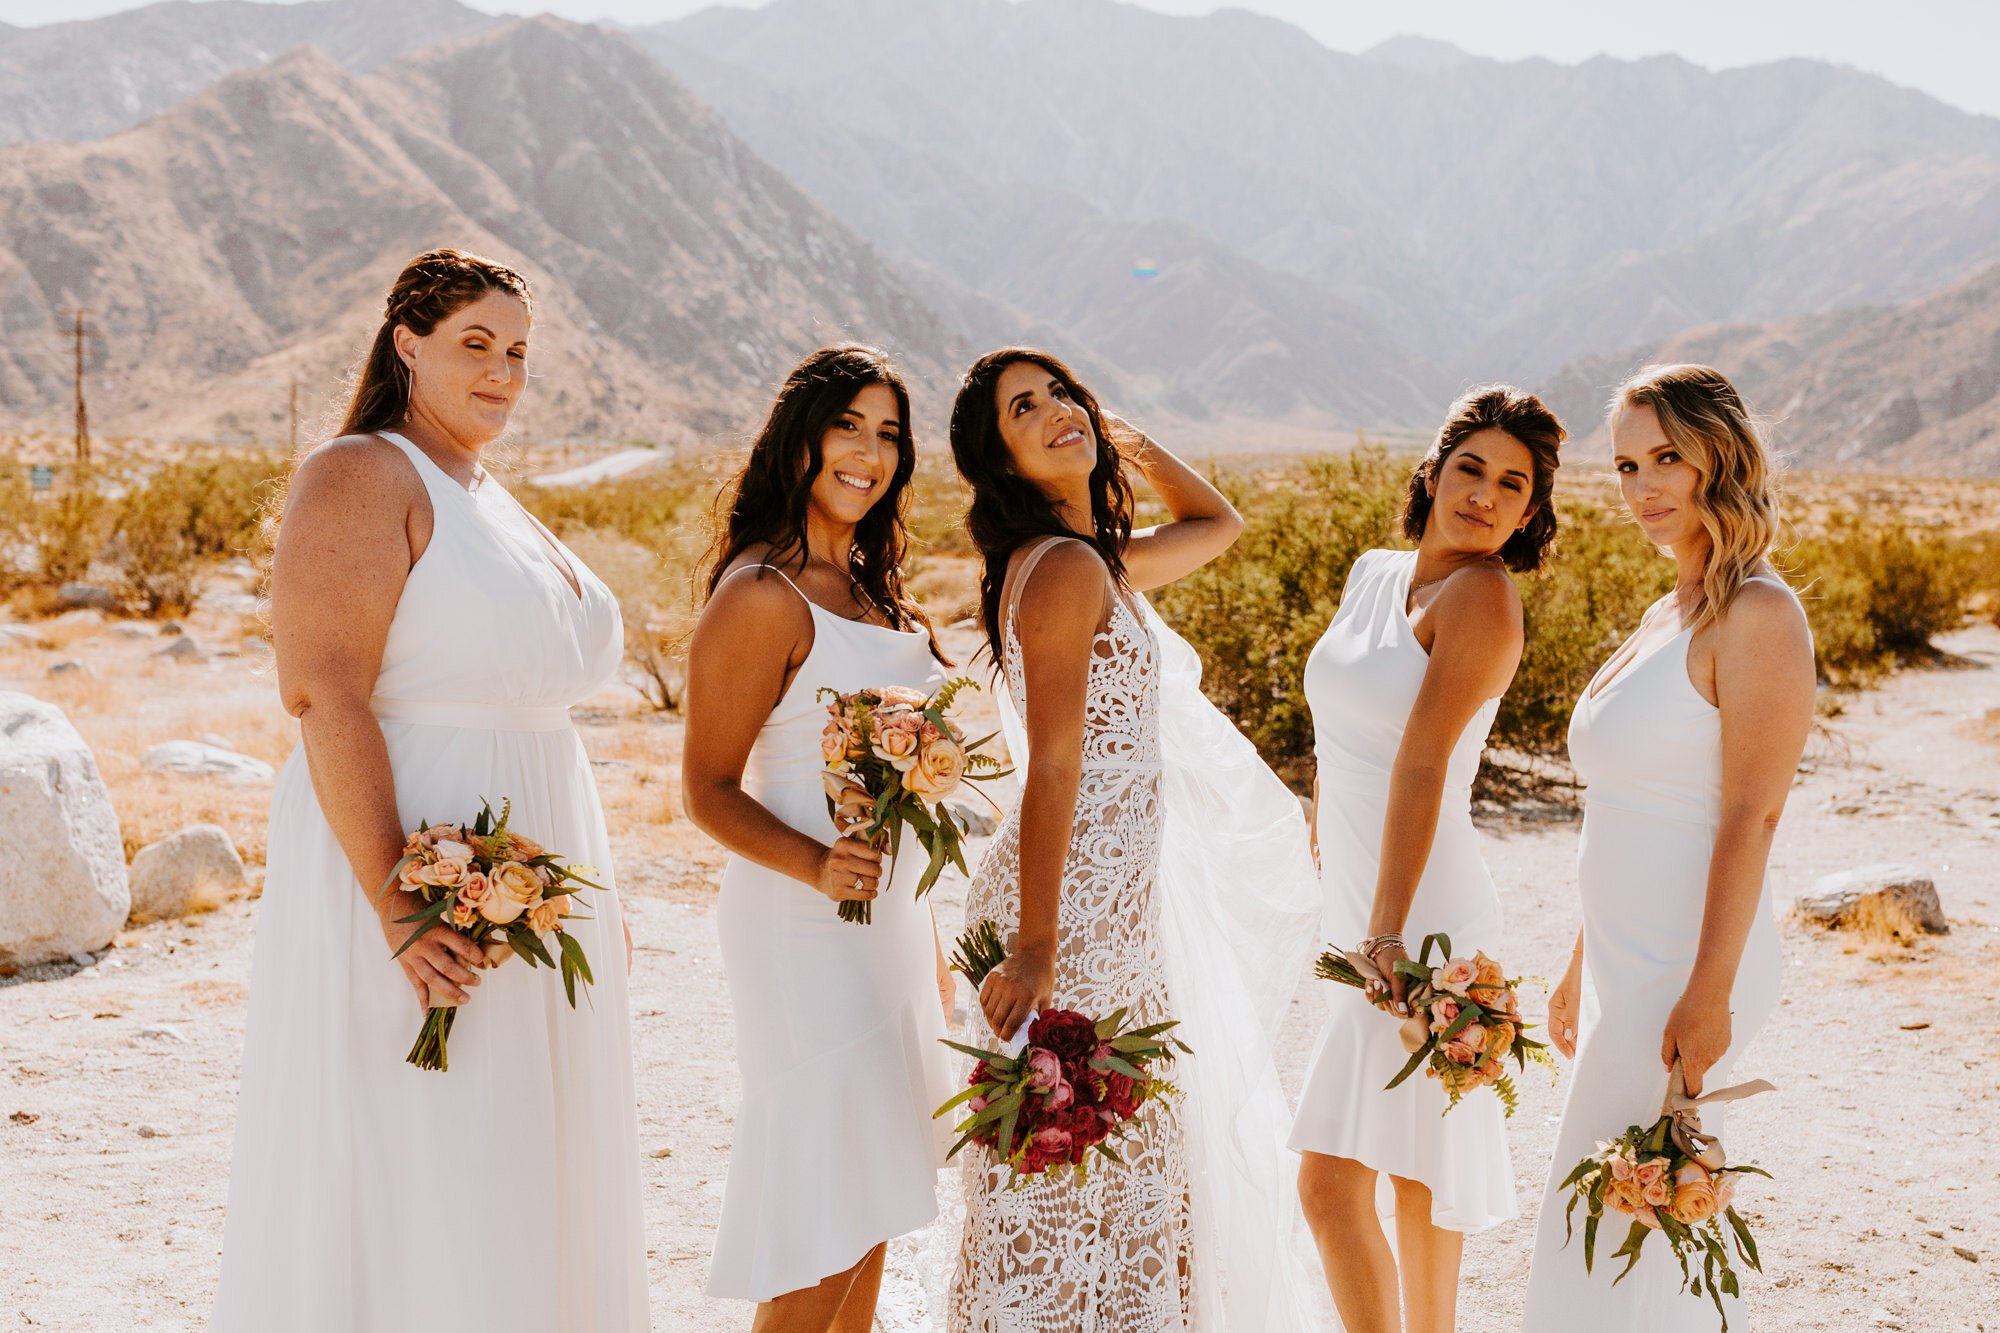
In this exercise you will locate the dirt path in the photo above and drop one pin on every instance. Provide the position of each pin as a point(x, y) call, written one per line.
point(117, 1081)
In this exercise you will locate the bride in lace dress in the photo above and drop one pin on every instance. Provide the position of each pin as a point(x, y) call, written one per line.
point(1071, 875)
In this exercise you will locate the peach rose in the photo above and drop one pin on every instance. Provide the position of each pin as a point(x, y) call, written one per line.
point(525, 849)
point(474, 889)
point(547, 914)
point(1621, 1167)
point(1500, 1039)
point(1694, 1195)
point(939, 768)
point(1456, 975)
point(411, 874)
point(1650, 1172)
point(445, 873)
point(1458, 1052)
point(1649, 1217)
point(1659, 1194)
point(515, 889)
point(1443, 1014)
point(464, 915)
point(453, 848)
point(896, 739)
point(1624, 1196)
point(1490, 1068)
point(1725, 1191)
point(833, 744)
point(438, 833)
point(901, 696)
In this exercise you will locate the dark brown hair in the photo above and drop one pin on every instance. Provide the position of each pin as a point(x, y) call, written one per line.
point(431, 289)
point(1526, 419)
point(1007, 509)
point(766, 501)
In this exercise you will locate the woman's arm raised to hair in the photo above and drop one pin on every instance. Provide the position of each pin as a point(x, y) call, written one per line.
point(1764, 684)
point(1204, 524)
point(754, 631)
point(1057, 627)
point(343, 555)
point(1472, 659)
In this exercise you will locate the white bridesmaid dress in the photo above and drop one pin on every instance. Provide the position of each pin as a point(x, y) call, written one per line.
point(1649, 750)
point(502, 1195)
point(838, 1024)
point(1361, 681)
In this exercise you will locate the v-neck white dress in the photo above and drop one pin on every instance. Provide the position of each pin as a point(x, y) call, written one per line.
point(1361, 681)
point(501, 1195)
point(1649, 750)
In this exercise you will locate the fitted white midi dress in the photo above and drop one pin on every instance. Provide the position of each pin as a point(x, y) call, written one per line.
point(838, 1024)
point(501, 1195)
point(1361, 681)
point(1649, 750)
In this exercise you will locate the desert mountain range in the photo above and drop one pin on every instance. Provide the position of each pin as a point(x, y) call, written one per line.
point(1217, 217)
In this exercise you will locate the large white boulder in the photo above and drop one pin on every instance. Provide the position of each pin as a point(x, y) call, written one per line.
point(175, 874)
point(197, 759)
point(62, 859)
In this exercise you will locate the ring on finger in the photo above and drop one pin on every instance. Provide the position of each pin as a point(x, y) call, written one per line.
point(857, 883)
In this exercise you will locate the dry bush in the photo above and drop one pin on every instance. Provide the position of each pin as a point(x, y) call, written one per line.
point(1877, 592)
point(68, 530)
point(172, 526)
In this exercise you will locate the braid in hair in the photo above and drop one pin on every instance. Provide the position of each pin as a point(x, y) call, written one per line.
point(431, 288)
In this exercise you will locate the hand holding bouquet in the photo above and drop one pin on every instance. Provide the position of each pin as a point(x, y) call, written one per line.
point(1670, 1178)
point(497, 888)
point(902, 748)
point(1464, 1020)
point(1074, 1085)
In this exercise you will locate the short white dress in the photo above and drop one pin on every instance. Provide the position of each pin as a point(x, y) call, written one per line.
point(838, 1025)
point(1361, 681)
point(1649, 750)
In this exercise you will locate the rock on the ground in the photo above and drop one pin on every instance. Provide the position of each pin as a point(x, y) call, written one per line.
point(22, 636)
point(976, 817)
point(1890, 900)
point(62, 862)
point(197, 759)
point(183, 649)
point(72, 667)
point(171, 876)
point(72, 595)
point(84, 617)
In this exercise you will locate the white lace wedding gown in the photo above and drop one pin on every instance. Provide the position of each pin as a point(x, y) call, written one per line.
point(500, 1195)
point(1111, 1255)
point(1649, 750)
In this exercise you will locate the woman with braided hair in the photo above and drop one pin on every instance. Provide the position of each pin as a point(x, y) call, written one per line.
point(430, 638)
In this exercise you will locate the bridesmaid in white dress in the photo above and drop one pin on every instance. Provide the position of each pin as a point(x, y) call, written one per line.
point(430, 637)
point(837, 1024)
point(1070, 876)
point(1403, 688)
point(1687, 741)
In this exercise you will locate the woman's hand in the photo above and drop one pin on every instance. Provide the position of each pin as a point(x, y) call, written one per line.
point(440, 966)
point(1565, 1007)
point(1385, 960)
point(1698, 1032)
point(1024, 984)
point(849, 871)
point(947, 988)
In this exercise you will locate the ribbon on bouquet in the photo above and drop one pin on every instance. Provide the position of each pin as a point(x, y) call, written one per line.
point(1414, 1030)
point(1014, 1044)
point(1685, 1113)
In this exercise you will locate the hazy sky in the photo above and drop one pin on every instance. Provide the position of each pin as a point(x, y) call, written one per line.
point(1944, 47)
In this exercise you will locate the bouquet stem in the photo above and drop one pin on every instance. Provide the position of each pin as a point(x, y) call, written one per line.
point(428, 1053)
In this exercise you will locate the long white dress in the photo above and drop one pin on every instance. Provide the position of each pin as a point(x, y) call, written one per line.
point(1361, 681)
point(837, 1024)
point(1111, 1255)
point(1649, 749)
point(502, 1195)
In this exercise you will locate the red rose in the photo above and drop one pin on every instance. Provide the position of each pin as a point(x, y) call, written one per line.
point(1069, 1034)
point(1122, 1094)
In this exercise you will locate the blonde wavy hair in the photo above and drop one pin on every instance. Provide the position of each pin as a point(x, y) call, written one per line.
point(1704, 417)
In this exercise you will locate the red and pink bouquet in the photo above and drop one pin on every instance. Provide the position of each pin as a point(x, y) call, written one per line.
point(902, 748)
point(1465, 1017)
point(1671, 1178)
point(498, 888)
point(1074, 1087)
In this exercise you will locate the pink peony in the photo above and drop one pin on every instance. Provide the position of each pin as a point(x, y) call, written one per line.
point(1044, 1070)
point(1061, 1095)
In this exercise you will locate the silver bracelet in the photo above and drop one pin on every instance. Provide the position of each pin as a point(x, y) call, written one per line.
point(1374, 944)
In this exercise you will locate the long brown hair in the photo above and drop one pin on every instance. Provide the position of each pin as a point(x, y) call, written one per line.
point(1705, 418)
point(1523, 417)
point(767, 499)
point(431, 289)
point(1007, 509)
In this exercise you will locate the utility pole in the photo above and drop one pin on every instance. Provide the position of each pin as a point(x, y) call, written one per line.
point(82, 410)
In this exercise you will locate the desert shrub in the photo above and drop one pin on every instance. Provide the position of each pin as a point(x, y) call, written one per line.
point(1255, 614)
point(68, 530)
point(16, 524)
point(1876, 593)
point(174, 524)
point(653, 508)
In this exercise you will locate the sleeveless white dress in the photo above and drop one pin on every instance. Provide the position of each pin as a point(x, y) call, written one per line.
point(1649, 750)
point(1361, 681)
point(502, 1195)
point(837, 1024)
point(1111, 1255)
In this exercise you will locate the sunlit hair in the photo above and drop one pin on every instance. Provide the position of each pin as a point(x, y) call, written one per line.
point(1523, 417)
point(766, 501)
point(1705, 420)
point(1007, 509)
point(431, 289)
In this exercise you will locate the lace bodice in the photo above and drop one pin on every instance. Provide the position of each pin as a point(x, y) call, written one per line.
point(1121, 717)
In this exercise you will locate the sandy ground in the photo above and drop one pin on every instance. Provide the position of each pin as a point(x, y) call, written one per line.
point(117, 1080)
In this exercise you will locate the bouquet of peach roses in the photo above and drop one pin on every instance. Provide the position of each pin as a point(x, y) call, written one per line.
point(498, 888)
point(903, 750)
point(1465, 1017)
point(1671, 1178)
